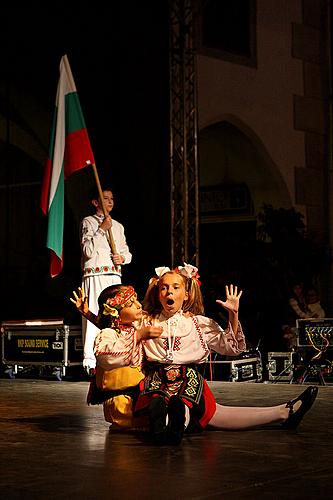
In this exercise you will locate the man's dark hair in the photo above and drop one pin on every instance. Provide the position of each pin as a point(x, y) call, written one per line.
point(94, 194)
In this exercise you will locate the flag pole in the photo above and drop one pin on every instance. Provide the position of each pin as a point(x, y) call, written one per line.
point(100, 192)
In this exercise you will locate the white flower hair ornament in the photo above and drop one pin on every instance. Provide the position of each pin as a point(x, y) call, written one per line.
point(159, 273)
point(190, 272)
point(161, 270)
point(187, 270)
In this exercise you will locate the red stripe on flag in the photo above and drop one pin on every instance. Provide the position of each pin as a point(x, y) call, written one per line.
point(77, 152)
point(56, 264)
point(44, 199)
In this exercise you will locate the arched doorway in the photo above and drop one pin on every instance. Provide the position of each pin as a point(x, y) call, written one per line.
point(237, 177)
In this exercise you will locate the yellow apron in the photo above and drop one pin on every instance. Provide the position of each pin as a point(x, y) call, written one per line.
point(118, 409)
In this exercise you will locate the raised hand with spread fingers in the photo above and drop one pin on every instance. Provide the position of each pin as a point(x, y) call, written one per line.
point(231, 304)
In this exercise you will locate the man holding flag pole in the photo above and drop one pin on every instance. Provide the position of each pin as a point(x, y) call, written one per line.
point(102, 258)
point(70, 151)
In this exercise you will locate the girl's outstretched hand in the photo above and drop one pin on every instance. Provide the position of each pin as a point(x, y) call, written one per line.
point(232, 301)
point(80, 301)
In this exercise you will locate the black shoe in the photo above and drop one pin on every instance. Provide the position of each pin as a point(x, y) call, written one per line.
point(157, 420)
point(176, 412)
point(295, 416)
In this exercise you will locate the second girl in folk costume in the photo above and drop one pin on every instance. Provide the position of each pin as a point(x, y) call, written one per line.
point(172, 384)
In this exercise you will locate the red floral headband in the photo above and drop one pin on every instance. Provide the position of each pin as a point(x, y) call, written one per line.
point(121, 297)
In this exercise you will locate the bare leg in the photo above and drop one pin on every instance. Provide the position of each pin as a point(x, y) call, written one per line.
point(244, 417)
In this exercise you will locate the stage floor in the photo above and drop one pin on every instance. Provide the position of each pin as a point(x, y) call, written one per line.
point(54, 446)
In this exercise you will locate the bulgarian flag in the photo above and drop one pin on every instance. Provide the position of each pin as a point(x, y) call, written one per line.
point(69, 151)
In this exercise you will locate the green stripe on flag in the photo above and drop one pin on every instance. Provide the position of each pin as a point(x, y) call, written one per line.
point(56, 219)
point(73, 114)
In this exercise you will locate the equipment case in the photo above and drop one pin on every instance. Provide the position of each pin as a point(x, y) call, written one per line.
point(314, 331)
point(41, 343)
point(280, 366)
point(237, 370)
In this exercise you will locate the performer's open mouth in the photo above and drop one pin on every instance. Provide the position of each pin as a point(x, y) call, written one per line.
point(170, 302)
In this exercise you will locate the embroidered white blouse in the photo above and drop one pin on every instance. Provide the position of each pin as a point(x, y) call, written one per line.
point(114, 350)
point(185, 340)
point(190, 339)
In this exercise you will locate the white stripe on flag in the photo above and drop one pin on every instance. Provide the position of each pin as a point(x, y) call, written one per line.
point(66, 85)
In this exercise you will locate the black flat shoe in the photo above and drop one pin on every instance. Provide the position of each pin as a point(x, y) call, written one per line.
point(157, 420)
point(295, 416)
point(176, 413)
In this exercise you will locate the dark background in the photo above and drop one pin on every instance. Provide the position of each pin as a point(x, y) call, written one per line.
point(119, 60)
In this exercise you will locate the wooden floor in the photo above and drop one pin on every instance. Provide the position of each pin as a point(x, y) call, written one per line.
point(54, 446)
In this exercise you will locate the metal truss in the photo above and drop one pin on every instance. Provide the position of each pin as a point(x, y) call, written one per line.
point(183, 133)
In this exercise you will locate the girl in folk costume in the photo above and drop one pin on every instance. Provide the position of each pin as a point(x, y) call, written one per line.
point(173, 392)
point(116, 382)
